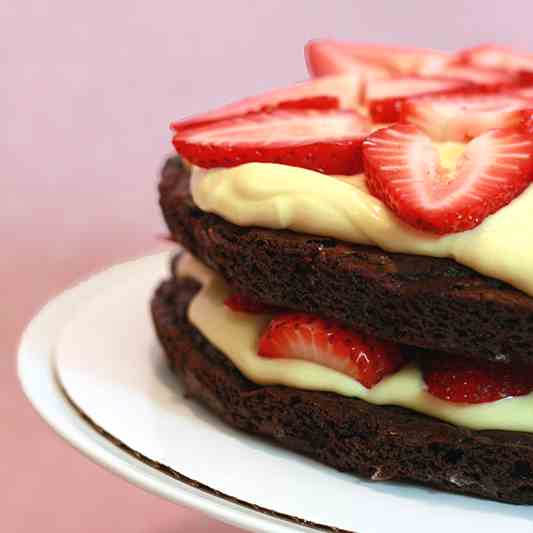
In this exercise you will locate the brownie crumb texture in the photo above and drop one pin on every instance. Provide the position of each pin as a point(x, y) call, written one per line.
point(371, 441)
point(420, 301)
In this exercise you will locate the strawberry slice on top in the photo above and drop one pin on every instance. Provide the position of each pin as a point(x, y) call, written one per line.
point(484, 77)
point(403, 170)
point(384, 97)
point(328, 92)
point(461, 117)
point(404, 60)
point(327, 141)
point(328, 343)
point(464, 380)
point(493, 56)
point(326, 56)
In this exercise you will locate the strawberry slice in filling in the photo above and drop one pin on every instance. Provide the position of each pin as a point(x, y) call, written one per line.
point(403, 169)
point(459, 379)
point(242, 303)
point(328, 343)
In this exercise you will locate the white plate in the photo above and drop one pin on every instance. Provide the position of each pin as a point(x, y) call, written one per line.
point(110, 364)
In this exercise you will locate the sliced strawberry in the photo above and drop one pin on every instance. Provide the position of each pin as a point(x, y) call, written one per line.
point(328, 92)
point(327, 57)
point(328, 343)
point(461, 117)
point(527, 122)
point(242, 303)
point(403, 169)
point(525, 78)
point(463, 380)
point(401, 59)
point(523, 92)
point(492, 56)
point(384, 97)
point(326, 141)
point(488, 78)
point(324, 57)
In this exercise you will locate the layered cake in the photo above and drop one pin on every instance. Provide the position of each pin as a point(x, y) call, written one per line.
point(356, 278)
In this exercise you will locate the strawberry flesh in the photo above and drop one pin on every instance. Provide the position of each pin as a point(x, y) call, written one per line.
point(324, 57)
point(492, 56)
point(523, 92)
point(403, 170)
point(326, 342)
point(464, 380)
point(384, 97)
point(242, 303)
point(374, 61)
point(461, 117)
point(327, 141)
point(484, 78)
point(406, 61)
point(329, 92)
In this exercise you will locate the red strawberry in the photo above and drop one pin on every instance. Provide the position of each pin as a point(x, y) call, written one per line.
point(462, 380)
point(493, 56)
point(461, 117)
point(328, 343)
point(242, 303)
point(384, 97)
point(527, 122)
point(523, 92)
point(401, 59)
point(403, 170)
point(326, 141)
point(326, 57)
point(489, 78)
point(328, 92)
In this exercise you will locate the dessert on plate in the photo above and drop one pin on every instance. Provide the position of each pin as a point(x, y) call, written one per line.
point(357, 276)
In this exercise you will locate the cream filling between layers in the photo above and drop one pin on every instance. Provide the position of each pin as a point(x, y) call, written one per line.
point(277, 196)
point(237, 334)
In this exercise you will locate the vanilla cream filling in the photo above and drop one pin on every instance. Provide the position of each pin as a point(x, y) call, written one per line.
point(276, 196)
point(237, 336)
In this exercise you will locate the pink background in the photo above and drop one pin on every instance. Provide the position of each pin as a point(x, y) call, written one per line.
point(86, 95)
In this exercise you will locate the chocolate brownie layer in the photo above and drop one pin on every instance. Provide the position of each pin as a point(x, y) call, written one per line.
point(421, 301)
point(375, 442)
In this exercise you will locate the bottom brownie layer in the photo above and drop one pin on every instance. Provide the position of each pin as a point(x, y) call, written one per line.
point(375, 442)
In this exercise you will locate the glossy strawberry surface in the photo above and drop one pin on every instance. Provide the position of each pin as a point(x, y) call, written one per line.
point(461, 117)
point(403, 169)
point(460, 379)
point(326, 141)
point(327, 92)
point(328, 343)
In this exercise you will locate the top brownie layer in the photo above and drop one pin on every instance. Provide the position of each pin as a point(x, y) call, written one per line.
point(421, 301)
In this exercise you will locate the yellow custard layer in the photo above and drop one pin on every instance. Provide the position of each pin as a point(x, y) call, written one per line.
point(277, 196)
point(237, 335)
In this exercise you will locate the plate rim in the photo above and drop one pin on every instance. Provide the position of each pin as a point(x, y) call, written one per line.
point(37, 375)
